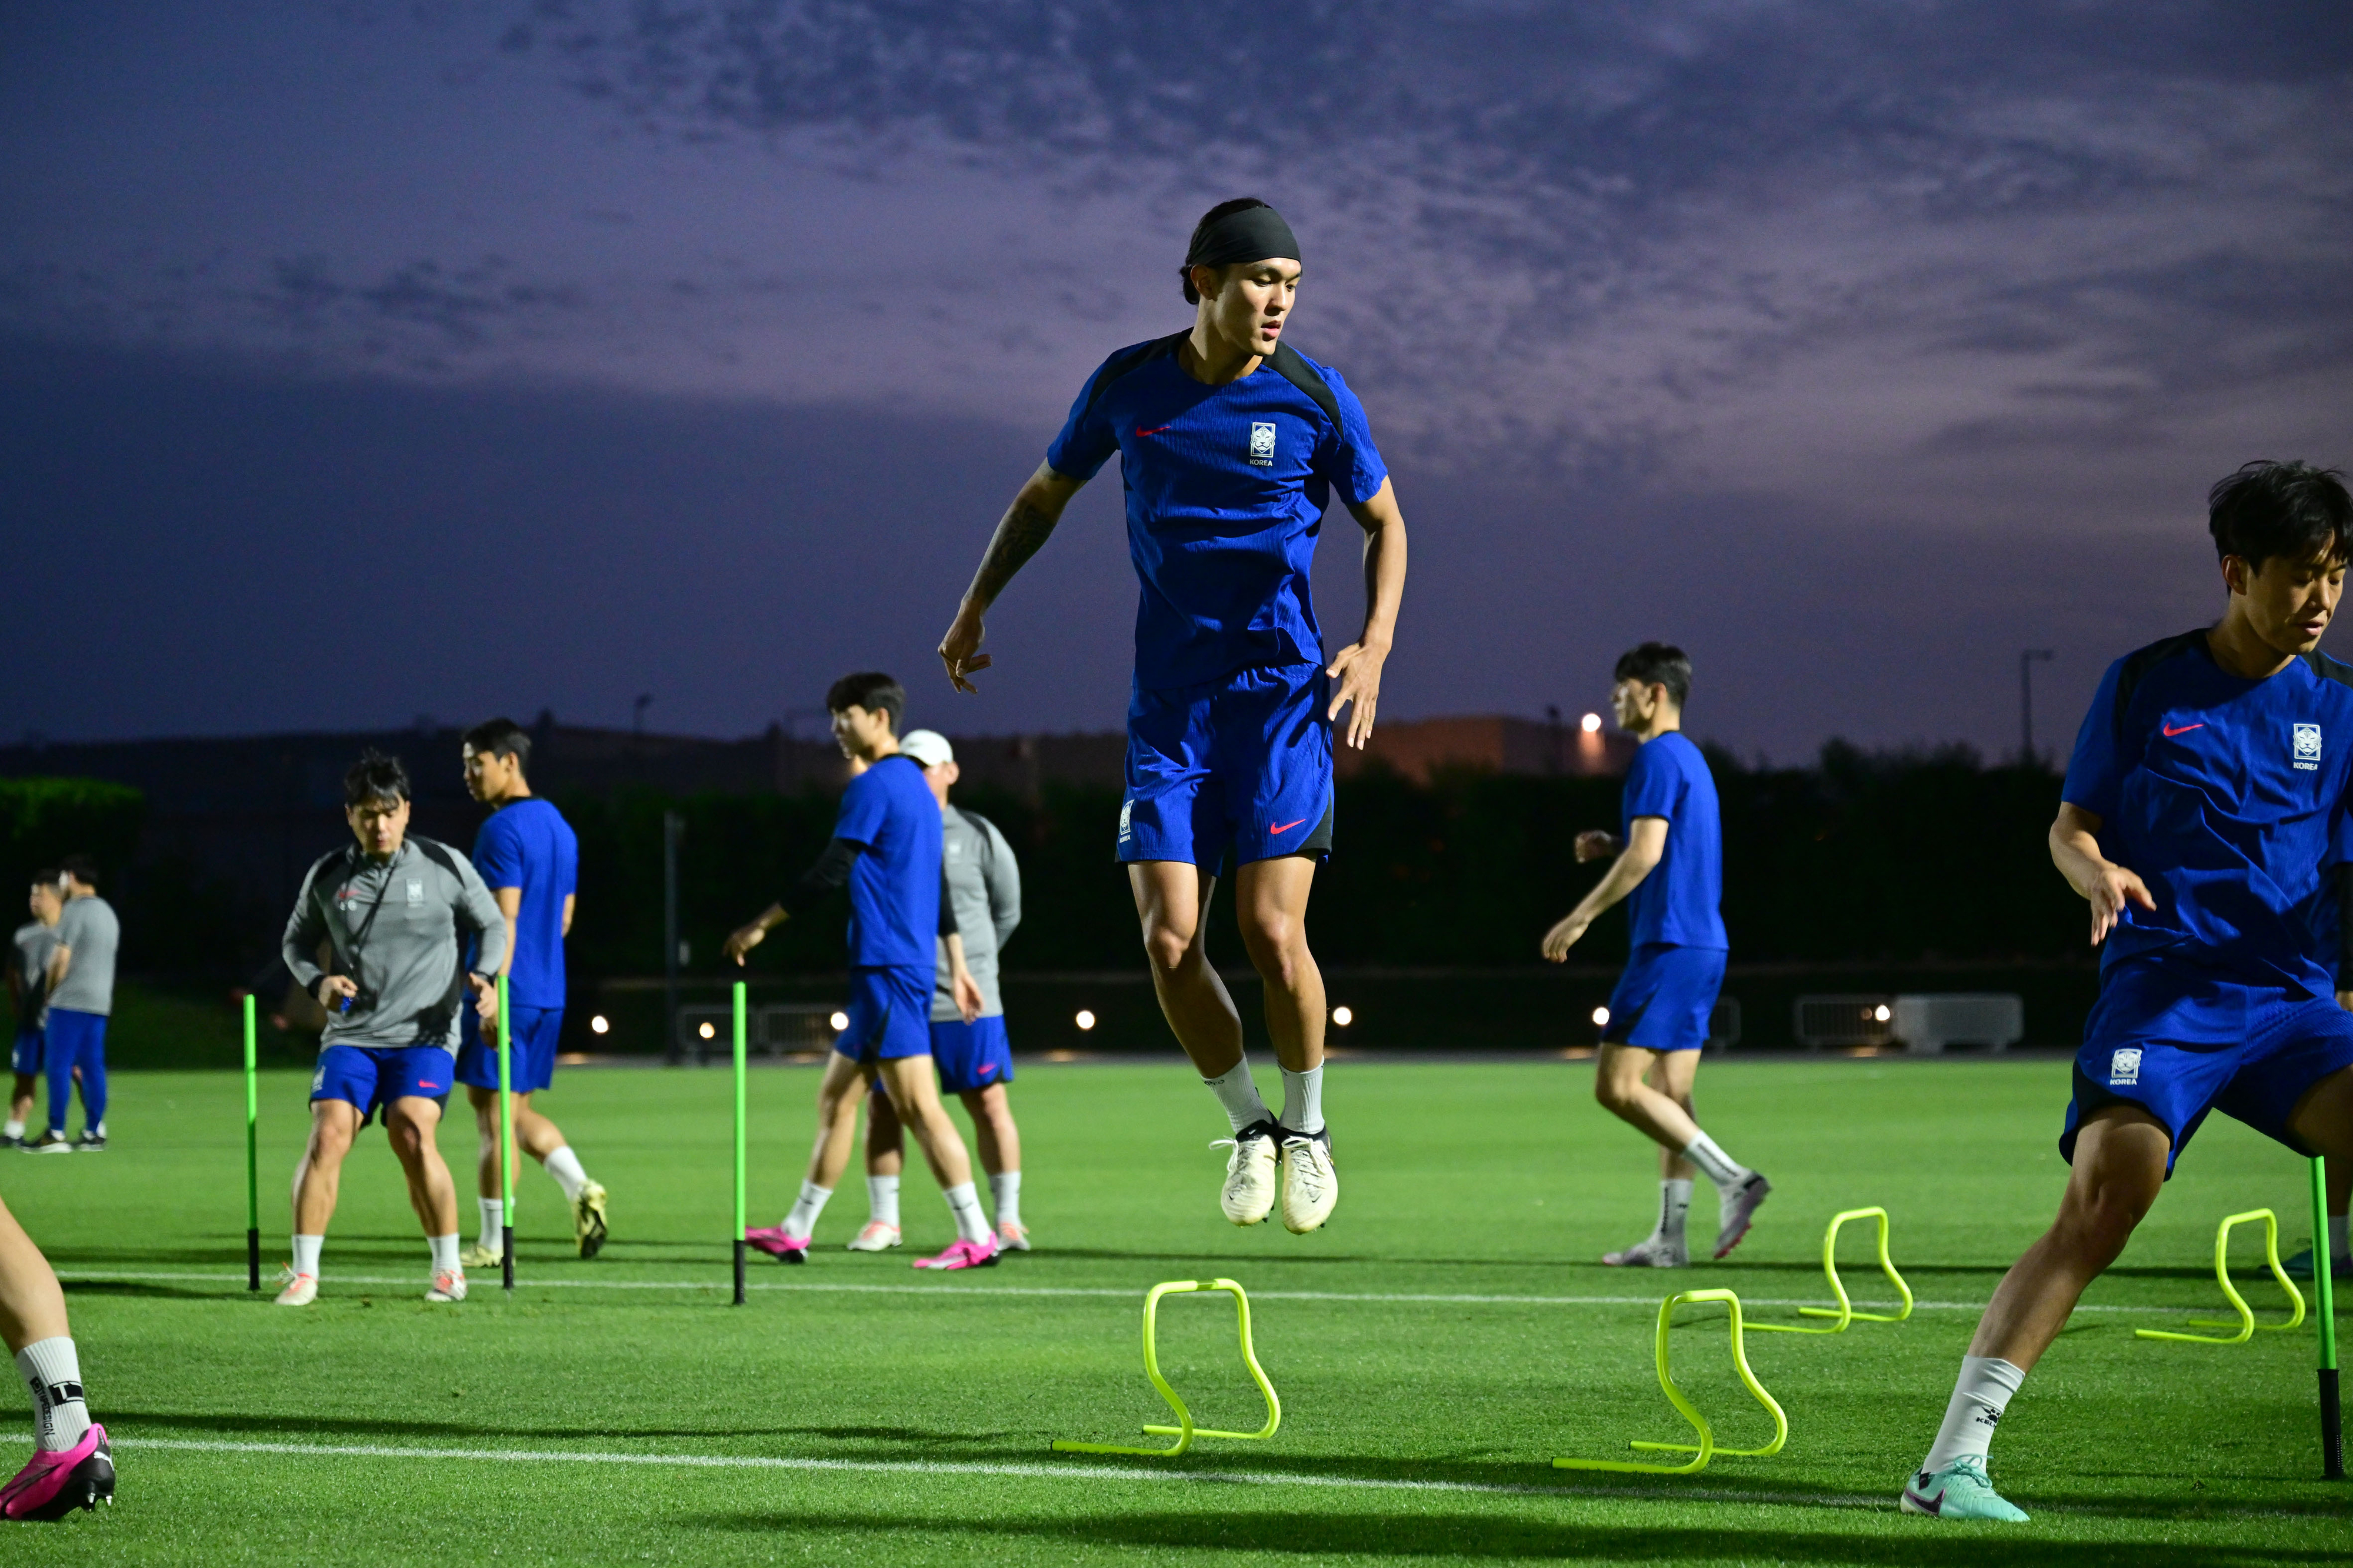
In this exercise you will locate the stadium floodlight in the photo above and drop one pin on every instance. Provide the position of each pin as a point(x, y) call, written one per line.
point(839, 1021)
point(1343, 1017)
point(1706, 1449)
point(1085, 1020)
point(1185, 1431)
point(599, 1024)
point(1601, 1017)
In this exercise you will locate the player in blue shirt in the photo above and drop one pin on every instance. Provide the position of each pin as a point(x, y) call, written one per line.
point(1230, 443)
point(886, 846)
point(2204, 819)
point(1669, 867)
point(530, 861)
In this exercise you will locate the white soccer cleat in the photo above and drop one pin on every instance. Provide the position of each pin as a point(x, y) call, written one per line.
point(876, 1237)
point(1652, 1252)
point(1739, 1209)
point(1250, 1190)
point(1013, 1236)
point(477, 1255)
point(1310, 1185)
point(449, 1285)
point(301, 1290)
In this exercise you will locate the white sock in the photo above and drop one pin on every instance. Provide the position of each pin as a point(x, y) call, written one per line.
point(1718, 1166)
point(1303, 1101)
point(1238, 1093)
point(2337, 1248)
point(883, 1200)
point(306, 1254)
point(445, 1252)
point(494, 1221)
point(1005, 1187)
point(565, 1167)
point(1675, 1203)
point(1979, 1399)
point(802, 1220)
point(963, 1202)
point(53, 1372)
point(12, 1130)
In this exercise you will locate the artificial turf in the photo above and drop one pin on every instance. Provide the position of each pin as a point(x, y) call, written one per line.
point(1434, 1348)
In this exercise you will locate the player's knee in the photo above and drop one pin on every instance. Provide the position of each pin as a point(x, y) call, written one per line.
point(1167, 944)
point(1277, 943)
point(1614, 1094)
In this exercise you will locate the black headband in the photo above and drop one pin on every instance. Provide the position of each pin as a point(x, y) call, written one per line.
point(1253, 234)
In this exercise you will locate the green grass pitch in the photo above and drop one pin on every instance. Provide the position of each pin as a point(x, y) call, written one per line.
point(1434, 1348)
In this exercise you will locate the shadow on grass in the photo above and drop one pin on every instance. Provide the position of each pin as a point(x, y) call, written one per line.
point(1364, 1532)
point(146, 1289)
point(921, 1442)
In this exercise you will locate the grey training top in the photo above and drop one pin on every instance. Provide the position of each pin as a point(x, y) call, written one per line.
point(90, 932)
point(34, 944)
point(409, 960)
point(985, 883)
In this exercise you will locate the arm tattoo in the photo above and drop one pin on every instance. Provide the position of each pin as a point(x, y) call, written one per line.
point(1025, 529)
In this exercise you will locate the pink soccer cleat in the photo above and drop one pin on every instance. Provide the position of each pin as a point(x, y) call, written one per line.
point(772, 1240)
point(964, 1255)
point(54, 1485)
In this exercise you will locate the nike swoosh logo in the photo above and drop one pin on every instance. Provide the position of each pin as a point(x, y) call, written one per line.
point(1155, 430)
point(2171, 732)
point(1286, 826)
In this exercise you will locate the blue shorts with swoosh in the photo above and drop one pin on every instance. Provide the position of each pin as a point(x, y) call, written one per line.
point(1243, 764)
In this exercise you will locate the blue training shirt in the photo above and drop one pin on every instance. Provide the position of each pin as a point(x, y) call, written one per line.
point(2227, 796)
point(1679, 902)
point(1226, 490)
point(894, 887)
point(527, 844)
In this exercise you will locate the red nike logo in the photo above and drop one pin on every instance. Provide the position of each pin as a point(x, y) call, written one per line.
point(1286, 826)
point(2171, 732)
point(1155, 430)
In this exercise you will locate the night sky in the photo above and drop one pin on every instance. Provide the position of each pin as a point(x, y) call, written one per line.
point(362, 362)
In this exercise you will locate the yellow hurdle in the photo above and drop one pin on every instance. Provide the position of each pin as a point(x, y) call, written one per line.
point(1706, 1447)
point(2246, 1319)
point(1185, 1431)
point(1846, 1312)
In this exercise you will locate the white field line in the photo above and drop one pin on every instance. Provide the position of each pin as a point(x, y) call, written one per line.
point(485, 1284)
point(1074, 1471)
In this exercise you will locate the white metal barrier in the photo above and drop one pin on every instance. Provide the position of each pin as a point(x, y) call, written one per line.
point(1927, 1024)
point(1857, 1020)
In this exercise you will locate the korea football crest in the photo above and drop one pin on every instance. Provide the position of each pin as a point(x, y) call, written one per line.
point(1261, 453)
point(2307, 746)
point(2123, 1068)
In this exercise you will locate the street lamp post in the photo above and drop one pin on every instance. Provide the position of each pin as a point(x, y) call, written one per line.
point(2027, 659)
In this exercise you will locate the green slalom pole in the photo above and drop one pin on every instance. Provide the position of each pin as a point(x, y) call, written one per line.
point(506, 1142)
point(2332, 1427)
point(252, 1159)
point(739, 1144)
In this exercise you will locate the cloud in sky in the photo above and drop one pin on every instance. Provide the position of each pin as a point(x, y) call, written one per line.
point(1924, 293)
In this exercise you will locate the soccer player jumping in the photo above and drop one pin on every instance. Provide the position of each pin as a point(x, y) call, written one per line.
point(2202, 817)
point(1230, 442)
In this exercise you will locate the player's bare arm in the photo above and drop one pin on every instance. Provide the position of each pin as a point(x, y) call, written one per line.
point(1646, 846)
point(745, 938)
point(2075, 850)
point(1028, 523)
point(1358, 667)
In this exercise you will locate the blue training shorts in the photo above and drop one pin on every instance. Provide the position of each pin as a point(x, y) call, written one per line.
point(31, 1053)
point(889, 1014)
point(531, 1062)
point(372, 1077)
point(972, 1056)
point(1665, 997)
point(1243, 763)
point(2180, 1041)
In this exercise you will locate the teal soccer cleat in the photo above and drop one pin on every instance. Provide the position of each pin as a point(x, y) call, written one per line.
point(1961, 1490)
point(2300, 1266)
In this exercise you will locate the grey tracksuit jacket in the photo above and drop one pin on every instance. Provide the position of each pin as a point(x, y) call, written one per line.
point(398, 929)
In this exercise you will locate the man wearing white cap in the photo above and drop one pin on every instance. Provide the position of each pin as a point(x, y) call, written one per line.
point(975, 1059)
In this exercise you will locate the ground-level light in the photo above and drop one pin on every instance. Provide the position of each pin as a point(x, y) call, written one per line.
point(1881, 1013)
point(709, 1031)
point(1343, 1017)
point(599, 1024)
point(1085, 1020)
point(1591, 723)
point(1600, 1017)
point(839, 1021)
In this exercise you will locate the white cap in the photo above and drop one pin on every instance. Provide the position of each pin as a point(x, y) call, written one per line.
point(928, 747)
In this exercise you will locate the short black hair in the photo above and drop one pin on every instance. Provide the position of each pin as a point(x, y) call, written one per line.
point(499, 738)
point(375, 777)
point(1657, 664)
point(80, 867)
point(51, 876)
point(870, 689)
point(1223, 209)
point(2269, 510)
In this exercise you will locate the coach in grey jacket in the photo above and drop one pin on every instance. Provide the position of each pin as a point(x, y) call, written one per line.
point(379, 936)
